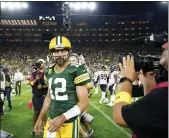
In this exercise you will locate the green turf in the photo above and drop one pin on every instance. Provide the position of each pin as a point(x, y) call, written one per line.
point(20, 123)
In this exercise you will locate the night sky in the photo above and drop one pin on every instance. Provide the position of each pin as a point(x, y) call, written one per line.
point(159, 9)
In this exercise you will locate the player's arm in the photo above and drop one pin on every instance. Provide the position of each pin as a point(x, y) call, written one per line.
point(81, 106)
point(46, 105)
point(81, 80)
point(45, 108)
point(32, 80)
point(82, 94)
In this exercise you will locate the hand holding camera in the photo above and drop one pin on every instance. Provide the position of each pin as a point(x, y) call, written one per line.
point(39, 86)
point(128, 69)
point(37, 77)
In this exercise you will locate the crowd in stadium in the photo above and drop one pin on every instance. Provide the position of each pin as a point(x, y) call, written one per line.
point(22, 57)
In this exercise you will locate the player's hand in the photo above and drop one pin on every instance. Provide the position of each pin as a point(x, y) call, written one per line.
point(37, 77)
point(56, 123)
point(38, 127)
point(40, 86)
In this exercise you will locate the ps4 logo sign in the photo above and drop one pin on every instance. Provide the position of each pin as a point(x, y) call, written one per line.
point(47, 18)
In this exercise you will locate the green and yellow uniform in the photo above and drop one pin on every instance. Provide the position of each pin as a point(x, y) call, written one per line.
point(62, 87)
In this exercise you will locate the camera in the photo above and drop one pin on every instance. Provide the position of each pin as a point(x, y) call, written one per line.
point(36, 65)
point(157, 39)
point(146, 63)
point(150, 62)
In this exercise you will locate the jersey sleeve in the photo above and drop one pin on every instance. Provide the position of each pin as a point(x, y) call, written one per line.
point(82, 76)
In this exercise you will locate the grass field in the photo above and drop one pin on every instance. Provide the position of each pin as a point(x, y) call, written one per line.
point(19, 121)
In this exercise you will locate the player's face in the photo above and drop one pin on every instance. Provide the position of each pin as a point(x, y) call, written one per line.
point(73, 60)
point(164, 57)
point(60, 56)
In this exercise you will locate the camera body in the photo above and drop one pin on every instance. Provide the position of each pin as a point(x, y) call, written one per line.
point(36, 65)
point(150, 62)
point(146, 63)
point(156, 39)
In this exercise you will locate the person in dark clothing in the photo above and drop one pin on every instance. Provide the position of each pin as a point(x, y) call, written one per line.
point(8, 89)
point(39, 89)
point(148, 117)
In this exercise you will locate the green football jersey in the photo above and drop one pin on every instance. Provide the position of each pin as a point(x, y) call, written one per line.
point(62, 87)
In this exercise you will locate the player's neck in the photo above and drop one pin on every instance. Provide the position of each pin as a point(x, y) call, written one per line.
point(61, 68)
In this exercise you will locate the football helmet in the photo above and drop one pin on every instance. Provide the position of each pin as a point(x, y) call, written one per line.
point(59, 43)
point(112, 68)
point(103, 68)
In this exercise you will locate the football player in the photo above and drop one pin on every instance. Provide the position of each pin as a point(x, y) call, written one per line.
point(96, 74)
point(113, 78)
point(103, 80)
point(85, 119)
point(67, 95)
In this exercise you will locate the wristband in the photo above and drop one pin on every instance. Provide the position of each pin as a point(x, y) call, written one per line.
point(89, 85)
point(74, 111)
point(123, 97)
point(125, 79)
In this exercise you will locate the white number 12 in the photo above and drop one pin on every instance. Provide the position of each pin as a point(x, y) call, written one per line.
point(58, 90)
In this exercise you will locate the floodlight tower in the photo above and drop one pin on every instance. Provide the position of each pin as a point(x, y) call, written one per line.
point(69, 7)
point(66, 16)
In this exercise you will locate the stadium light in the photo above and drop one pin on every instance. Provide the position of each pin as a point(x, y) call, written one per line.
point(82, 5)
point(92, 6)
point(164, 2)
point(18, 5)
point(25, 5)
point(14, 5)
point(3, 5)
point(77, 6)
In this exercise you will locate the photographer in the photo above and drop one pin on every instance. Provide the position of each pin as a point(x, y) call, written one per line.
point(39, 88)
point(148, 117)
point(8, 88)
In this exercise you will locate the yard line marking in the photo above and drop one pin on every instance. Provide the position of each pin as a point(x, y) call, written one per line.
point(108, 118)
point(21, 103)
point(22, 94)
